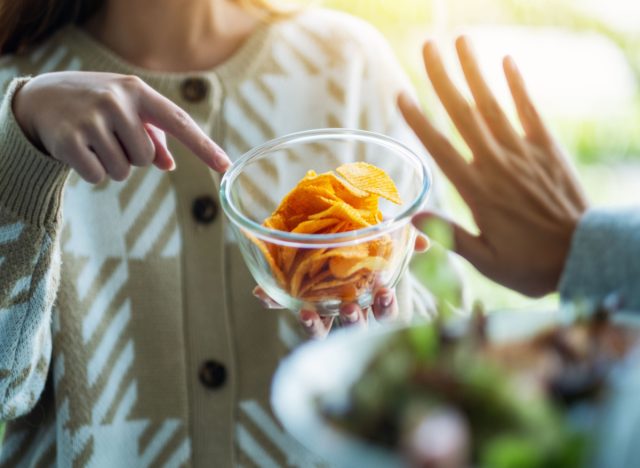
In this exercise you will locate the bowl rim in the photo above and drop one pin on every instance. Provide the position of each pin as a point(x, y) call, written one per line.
point(323, 240)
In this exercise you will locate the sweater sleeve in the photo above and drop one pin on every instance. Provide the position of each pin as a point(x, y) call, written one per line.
point(31, 185)
point(604, 258)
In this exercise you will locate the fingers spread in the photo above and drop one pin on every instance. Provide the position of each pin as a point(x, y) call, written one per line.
point(385, 306)
point(315, 327)
point(487, 104)
point(532, 123)
point(164, 114)
point(464, 116)
point(440, 148)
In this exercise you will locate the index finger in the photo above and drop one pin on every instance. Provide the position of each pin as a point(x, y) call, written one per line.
point(487, 104)
point(464, 115)
point(445, 155)
point(164, 114)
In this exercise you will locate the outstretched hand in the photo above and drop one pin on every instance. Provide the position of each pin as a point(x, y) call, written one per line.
point(521, 190)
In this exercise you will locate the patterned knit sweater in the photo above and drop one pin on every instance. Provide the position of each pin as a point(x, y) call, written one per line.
point(128, 332)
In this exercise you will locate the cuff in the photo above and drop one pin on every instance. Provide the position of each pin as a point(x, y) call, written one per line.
point(31, 183)
point(604, 258)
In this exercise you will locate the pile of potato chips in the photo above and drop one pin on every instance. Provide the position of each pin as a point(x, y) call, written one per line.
point(324, 204)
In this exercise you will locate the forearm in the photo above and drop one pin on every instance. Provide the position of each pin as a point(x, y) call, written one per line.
point(605, 258)
point(25, 316)
point(31, 185)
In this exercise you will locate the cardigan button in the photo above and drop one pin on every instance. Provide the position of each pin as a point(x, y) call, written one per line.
point(205, 209)
point(194, 89)
point(212, 374)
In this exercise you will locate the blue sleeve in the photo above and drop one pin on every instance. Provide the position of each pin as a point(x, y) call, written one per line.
point(605, 258)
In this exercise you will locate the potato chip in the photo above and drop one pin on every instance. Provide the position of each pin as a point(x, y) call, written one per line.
point(327, 204)
point(313, 226)
point(298, 275)
point(276, 222)
point(286, 257)
point(344, 212)
point(264, 248)
point(342, 267)
point(320, 260)
point(380, 247)
point(312, 281)
point(371, 179)
point(305, 201)
point(347, 292)
point(329, 181)
point(317, 266)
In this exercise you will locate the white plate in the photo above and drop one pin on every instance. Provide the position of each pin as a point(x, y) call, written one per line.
point(330, 367)
point(321, 368)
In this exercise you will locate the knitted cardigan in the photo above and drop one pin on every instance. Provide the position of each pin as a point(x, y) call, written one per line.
point(118, 300)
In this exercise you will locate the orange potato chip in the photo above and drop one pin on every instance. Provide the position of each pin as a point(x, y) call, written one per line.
point(315, 225)
point(276, 222)
point(347, 292)
point(371, 179)
point(329, 181)
point(380, 247)
point(331, 282)
point(312, 281)
point(305, 201)
point(342, 267)
point(320, 260)
point(326, 204)
point(369, 203)
point(344, 212)
point(298, 275)
point(277, 272)
point(294, 220)
point(317, 265)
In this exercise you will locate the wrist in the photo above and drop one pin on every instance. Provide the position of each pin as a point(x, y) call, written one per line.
point(22, 113)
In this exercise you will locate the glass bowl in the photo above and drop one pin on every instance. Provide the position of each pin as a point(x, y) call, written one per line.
point(285, 264)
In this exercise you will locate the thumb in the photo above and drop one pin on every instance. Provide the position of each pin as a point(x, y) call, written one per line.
point(163, 159)
point(452, 236)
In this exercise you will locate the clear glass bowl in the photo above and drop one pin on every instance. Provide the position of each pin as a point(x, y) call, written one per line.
point(254, 186)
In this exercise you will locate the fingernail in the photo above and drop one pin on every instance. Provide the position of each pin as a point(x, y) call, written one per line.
point(352, 317)
point(224, 162)
point(422, 243)
point(386, 300)
point(350, 313)
point(306, 319)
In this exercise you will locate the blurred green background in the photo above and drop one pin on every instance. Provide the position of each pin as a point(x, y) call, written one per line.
point(581, 60)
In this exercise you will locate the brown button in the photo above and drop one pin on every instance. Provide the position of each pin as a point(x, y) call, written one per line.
point(194, 89)
point(205, 209)
point(212, 374)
